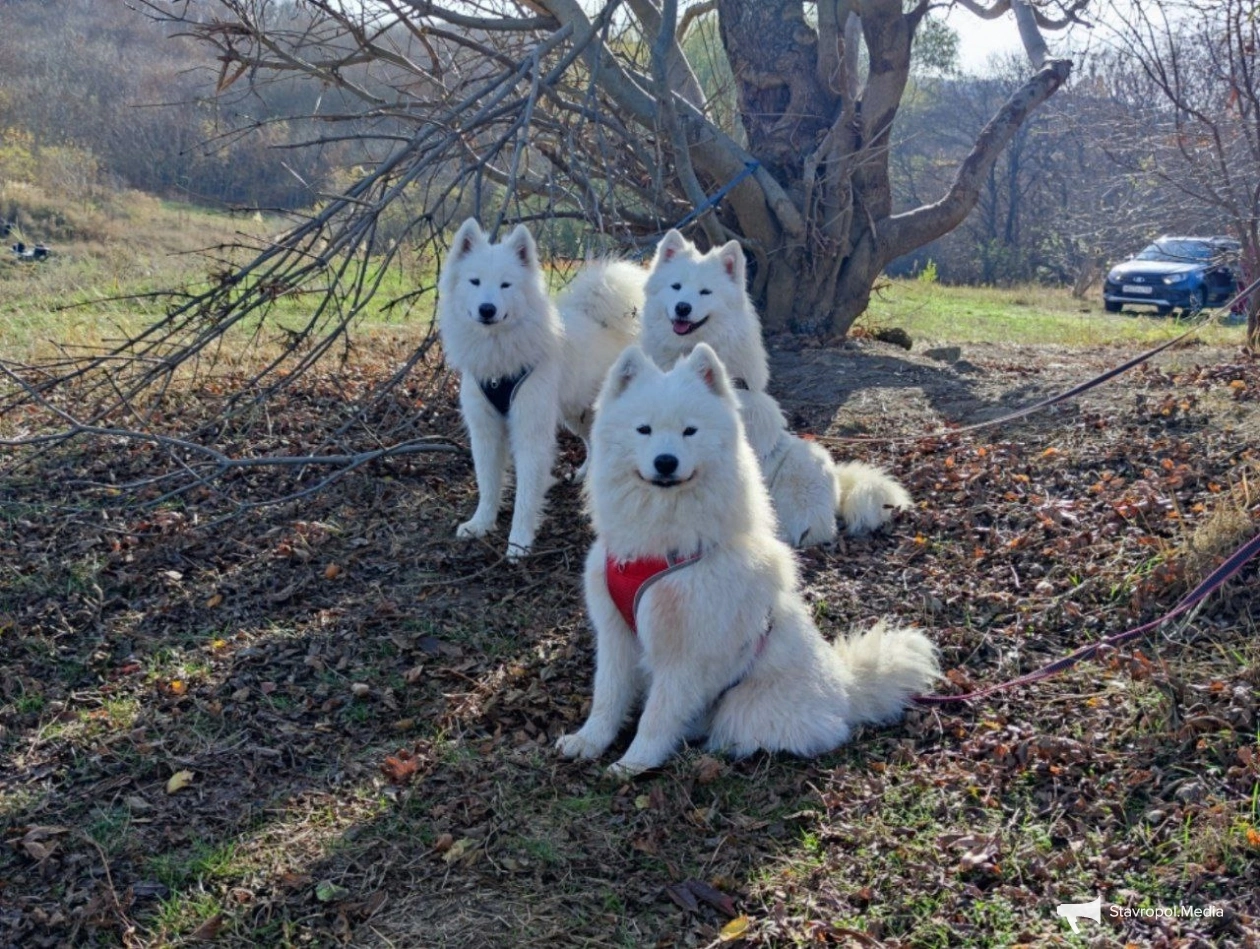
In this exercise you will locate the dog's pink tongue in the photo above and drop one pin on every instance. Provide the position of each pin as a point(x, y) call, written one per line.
point(683, 327)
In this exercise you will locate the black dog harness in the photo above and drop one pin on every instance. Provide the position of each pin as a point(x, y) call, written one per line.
point(501, 392)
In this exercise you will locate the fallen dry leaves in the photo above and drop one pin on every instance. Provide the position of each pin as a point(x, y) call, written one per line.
point(399, 768)
point(293, 694)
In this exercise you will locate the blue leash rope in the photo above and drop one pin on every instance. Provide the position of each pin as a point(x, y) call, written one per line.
point(722, 192)
point(709, 203)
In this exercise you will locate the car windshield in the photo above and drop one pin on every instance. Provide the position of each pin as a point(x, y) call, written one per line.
point(1178, 251)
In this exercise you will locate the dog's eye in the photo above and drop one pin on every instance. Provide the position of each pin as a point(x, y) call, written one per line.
point(676, 286)
point(705, 293)
point(644, 429)
point(504, 286)
point(475, 281)
point(689, 431)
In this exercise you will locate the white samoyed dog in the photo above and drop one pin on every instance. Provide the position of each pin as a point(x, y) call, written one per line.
point(694, 297)
point(694, 599)
point(526, 364)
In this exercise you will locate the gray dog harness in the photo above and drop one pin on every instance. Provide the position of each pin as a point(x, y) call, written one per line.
point(501, 392)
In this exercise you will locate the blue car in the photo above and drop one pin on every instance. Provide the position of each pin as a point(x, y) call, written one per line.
point(1175, 273)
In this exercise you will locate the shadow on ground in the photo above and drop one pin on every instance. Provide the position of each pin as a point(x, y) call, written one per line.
point(365, 708)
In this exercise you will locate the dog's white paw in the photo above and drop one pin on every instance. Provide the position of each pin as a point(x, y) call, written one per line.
point(578, 746)
point(519, 543)
point(477, 527)
point(623, 770)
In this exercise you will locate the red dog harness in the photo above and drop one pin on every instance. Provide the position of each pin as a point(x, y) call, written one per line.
point(628, 581)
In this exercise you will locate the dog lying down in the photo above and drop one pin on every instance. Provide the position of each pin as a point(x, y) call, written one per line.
point(694, 599)
point(693, 297)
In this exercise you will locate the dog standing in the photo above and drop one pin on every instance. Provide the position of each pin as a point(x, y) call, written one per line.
point(526, 364)
point(694, 297)
point(694, 599)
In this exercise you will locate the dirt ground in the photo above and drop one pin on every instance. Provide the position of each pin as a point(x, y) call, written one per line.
point(326, 722)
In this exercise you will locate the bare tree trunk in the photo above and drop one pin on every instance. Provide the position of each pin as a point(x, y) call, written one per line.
point(823, 287)
point(829, 152)
point(816, 292)
point(785, 109)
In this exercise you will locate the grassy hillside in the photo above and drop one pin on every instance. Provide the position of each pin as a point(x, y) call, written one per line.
point(124, 243)
point(115, 257)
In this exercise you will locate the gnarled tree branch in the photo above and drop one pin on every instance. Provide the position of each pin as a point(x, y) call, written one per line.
point(904, 232)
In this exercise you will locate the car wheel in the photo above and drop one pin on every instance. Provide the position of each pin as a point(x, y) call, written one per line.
point(1197, 299)
point(1112, 307)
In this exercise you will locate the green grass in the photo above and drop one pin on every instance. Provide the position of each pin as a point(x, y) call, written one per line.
point(200, 862)
point(935, 314)
point(184, 913)
point(109, 828)
point(153, 246)
point(91, 291)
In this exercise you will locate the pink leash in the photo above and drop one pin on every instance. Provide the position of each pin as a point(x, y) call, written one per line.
point(1212, 582)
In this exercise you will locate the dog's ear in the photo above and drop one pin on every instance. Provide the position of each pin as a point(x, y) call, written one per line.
point(467, 238)
point(732, 257)
point(704, 362)
point(671, 245)
point(631, 364)
point(522, 243)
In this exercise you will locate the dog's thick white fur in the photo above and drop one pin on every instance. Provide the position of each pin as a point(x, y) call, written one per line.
point(496, 319)
point(725, 645)
point(694, 297)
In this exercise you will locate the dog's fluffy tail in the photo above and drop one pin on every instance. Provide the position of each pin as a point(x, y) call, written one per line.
point(886, 665)
point(866, 496)
point(610, 292)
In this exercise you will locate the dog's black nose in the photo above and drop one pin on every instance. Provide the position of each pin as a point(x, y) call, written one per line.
point(682, 309)
point(486, 311)
point(665, 464)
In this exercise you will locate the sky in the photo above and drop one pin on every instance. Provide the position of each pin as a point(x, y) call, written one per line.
point(980, 40)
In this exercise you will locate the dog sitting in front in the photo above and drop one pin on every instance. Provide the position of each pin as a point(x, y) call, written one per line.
point(696, 602)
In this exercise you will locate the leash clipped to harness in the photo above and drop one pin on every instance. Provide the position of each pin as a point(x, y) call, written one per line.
point(1216, 579)
point(629, 580)
point(501, 392)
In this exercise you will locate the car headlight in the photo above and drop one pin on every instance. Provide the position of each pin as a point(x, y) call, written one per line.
point(1175, 277)
point(1114, 276)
